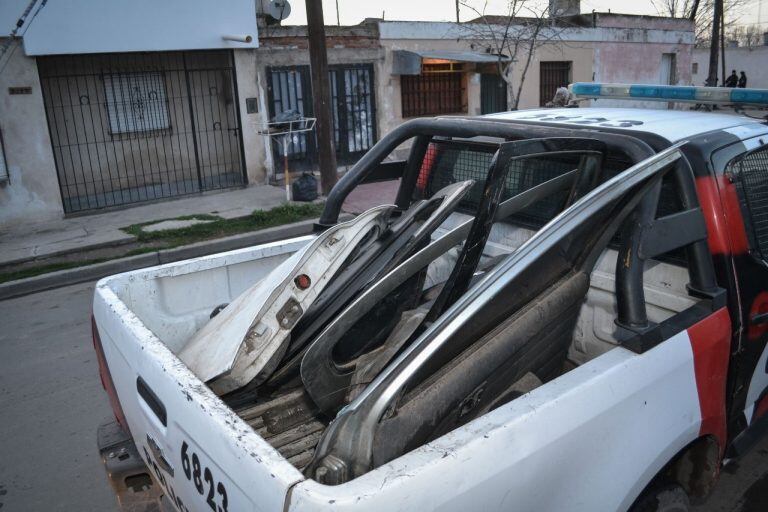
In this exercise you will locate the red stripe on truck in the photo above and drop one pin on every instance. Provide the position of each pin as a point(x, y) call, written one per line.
point(761, 408)
point(759, 306)
point(711, 344)
point(722, 212)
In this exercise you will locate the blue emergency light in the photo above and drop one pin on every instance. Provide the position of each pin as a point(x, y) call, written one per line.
point(682, 93)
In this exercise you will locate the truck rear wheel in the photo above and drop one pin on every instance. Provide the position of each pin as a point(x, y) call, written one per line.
point(667, 498)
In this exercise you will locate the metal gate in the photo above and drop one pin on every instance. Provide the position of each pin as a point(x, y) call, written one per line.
point(553, 75)
point(493, 93)
point(127, 128)
point(353, 107)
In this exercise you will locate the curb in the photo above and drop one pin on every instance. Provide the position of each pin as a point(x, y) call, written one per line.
point(96, 271)
point(129, 239)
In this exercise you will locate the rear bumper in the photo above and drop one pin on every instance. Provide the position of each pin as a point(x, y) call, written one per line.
point(127, 474)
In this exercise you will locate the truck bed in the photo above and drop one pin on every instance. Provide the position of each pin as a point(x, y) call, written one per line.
point(285, 417)
point(288, 421)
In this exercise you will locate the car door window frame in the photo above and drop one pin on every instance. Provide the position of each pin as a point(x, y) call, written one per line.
point(748, 209)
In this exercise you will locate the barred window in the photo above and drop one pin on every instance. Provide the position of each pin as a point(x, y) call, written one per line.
point(437, 90)
point(287, 92)
point(553, 75)
point(136, 102)
point(750, 174)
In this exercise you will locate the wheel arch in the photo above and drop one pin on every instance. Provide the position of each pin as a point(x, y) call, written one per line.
point(696, 468)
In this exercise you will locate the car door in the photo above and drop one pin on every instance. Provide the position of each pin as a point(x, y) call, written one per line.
point(747, 173)
point(554, 447)
point(551, 269)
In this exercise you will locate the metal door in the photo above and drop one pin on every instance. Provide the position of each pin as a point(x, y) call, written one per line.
point(354, 110)
point(127, 128)
point(493, 94)
point(746, 181)
point(289, 88)
point(353, 107)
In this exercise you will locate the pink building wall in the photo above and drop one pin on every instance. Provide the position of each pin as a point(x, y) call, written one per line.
point(640, 63)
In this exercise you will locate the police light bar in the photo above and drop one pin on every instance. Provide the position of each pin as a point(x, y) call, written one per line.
point(684, 93)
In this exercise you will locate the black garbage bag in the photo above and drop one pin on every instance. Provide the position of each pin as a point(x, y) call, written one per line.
point(305, 188)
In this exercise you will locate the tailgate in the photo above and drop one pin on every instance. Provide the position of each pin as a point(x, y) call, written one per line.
point(201, 452)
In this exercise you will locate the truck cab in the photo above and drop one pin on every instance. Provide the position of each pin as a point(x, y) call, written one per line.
point(555, 300)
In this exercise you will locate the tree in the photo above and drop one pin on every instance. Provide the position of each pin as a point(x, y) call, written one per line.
point(702, 12)
point(746, 35)
point(524, 27)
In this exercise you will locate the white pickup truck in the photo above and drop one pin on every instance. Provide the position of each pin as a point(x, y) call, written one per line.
point(564, 309)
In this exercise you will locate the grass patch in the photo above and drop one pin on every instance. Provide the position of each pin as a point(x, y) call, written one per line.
point(218, 227)
point(169, 238)
point(199, 216)
point(44, 269)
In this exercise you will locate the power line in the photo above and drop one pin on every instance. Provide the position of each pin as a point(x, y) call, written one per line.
point(15, 30)
point(14, 35)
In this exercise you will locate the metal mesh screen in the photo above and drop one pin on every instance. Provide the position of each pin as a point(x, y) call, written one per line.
point(669, 203)
point(751, 177)
point(449, 162)
point(669, 198)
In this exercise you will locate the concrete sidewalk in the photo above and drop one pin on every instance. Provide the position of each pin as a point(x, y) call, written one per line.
point(39, 241)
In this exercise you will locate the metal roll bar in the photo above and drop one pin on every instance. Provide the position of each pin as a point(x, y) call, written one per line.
point(630, 295)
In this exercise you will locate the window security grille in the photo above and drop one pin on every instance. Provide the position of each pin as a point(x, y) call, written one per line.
point(136, 102)
point(751, 177)
point(437, 90)
point(553, 75)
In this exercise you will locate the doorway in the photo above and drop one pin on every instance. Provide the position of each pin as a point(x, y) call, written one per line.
point(493, 93)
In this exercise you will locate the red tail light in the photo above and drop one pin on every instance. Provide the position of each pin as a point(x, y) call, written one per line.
point(106, 378)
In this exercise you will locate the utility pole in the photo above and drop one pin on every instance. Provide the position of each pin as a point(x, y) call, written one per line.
point(722, 41)
point(321, 94)
point(457, 12)
point(714, 44)
point(338, 18)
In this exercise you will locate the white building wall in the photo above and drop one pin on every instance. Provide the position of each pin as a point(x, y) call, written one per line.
point(626, 49)
point(99, 26)
point(249, 86)
point(32, 193)
point(753, 60)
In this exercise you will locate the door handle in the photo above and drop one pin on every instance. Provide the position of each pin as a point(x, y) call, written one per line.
point(157, 452)
point(152, 400)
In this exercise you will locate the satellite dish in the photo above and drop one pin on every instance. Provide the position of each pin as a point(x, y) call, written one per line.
point(278, 9)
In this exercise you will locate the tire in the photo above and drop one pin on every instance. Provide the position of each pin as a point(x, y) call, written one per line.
point(667, 498)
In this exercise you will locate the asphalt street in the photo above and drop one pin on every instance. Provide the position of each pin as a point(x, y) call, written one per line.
point(51, 402)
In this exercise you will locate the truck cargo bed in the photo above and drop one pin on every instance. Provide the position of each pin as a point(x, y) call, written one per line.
point(289, 422)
